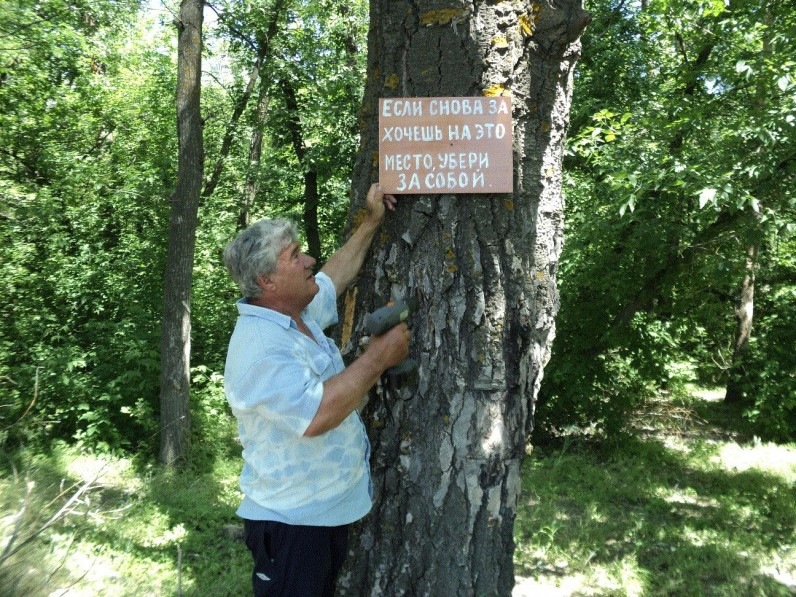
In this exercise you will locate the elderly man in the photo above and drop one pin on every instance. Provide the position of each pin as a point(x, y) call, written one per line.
point(305, 473)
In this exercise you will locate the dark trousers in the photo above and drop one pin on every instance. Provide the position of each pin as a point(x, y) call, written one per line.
point(295, 560)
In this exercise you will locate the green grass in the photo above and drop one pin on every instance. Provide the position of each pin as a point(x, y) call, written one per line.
point(681, 508)
point(131, 531)
point(684, 507)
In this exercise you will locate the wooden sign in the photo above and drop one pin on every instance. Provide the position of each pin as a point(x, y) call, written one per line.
point(445, 145)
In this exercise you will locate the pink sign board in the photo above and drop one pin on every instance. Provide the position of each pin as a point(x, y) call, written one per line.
point(433, 145)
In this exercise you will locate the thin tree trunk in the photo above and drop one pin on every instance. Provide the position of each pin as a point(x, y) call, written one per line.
point(311, 197)
point(447, 453)
point(175, 346)
point(251, 185)
point(744, 312)
point(232, 125)
point(744, 316)
point(262, 49)
point(309, 214)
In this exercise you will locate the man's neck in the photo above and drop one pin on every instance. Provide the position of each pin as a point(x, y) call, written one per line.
point(262, 301)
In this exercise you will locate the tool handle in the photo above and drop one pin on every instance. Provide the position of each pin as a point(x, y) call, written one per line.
point(384, 318)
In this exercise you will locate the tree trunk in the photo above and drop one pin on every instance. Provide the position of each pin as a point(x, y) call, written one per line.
point(447, 452)
point(311, 195)
point(261, 43)
point(175, 345)
point(309, 214)
point(744, 312)
point(251, 184)
point(744, 316)
point(241, 104)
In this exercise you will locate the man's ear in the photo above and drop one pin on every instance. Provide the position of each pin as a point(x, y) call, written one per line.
point(265, 282)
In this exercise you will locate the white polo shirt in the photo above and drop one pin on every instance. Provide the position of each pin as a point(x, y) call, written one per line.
point(274, 383)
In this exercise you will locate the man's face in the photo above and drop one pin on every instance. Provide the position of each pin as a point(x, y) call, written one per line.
point(293, 282)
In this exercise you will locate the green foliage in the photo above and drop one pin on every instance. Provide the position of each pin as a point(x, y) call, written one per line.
point(319, 54)
point(214, 428)
point(594, 392)
point(669, 514)
point(329, 106)
point(680, 157)
point(315, 48)
point(83, 215)
point(87, 127)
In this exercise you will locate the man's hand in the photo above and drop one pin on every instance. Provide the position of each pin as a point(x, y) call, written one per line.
point(376, 202)
point(342, 393)
point(343, 266)
point(392, 346)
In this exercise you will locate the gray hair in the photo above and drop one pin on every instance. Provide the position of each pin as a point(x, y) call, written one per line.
point(255, 250)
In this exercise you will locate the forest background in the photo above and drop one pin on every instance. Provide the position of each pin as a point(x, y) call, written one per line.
point(679, 263)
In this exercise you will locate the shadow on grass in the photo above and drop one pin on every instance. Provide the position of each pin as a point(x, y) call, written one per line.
point(681, 522)
point(129, 532)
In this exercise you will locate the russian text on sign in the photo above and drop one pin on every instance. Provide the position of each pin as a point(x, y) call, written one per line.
point(439, 145)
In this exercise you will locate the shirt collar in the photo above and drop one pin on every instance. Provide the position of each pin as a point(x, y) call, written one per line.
point(247, 309)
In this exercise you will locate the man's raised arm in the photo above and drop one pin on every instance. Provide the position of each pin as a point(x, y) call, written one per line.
point(343, 266)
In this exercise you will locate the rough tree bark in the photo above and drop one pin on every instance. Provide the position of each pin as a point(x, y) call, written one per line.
point(447, 452)
point(175, 344)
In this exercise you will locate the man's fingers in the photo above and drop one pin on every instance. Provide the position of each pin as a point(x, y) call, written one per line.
point(390, 201)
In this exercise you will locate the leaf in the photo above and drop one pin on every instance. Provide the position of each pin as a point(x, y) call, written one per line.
point(629, 204)
point(707, 196)
point(714, 8)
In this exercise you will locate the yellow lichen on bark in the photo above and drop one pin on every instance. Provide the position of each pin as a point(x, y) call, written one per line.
point(450, 258)
point(442, 16)
point(495, 91)
point(360, 216)
point(527, 21)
